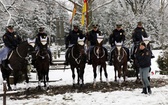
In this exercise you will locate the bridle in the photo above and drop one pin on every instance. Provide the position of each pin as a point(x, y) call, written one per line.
point(77, 59)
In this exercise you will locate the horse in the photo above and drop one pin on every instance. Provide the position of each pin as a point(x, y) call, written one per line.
point(135, 63)
point(18, 63)
point(120, 61)
point(42, 63)
point(98, 57)
point(77, 59)
point(136, 49)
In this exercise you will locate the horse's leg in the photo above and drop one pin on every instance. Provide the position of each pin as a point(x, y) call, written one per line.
point(100, 67)
point(125, 71)
point(27, 80)
point(106, 75)
point(8, 84)
point(82, 74)
point(15, 80)
point(39, 79)
point(5, 76)
point(95, 75)
point(115, 72)
point(44, 78)
point(73, 75)
point(47, 78)
point(78, 72)
point(136, 70)
point(119, 75)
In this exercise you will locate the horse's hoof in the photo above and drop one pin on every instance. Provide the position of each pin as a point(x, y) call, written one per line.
point(108, 84)
point(94, 86)
point(81, 85)
point(9, 89)
point(39, 87)
point(73, 86)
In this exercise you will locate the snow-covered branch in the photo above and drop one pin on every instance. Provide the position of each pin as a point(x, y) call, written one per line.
point(10, 17)
point(106, 3)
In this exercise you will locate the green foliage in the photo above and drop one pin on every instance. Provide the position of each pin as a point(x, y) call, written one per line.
point(163, 63)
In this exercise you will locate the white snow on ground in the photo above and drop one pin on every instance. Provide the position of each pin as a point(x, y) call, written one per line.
point(158, 97)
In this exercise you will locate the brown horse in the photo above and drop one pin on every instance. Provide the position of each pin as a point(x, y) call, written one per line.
point(42, 63)
point(18, 63)
point(77, 59)
point(120, 61)
point(98, 57)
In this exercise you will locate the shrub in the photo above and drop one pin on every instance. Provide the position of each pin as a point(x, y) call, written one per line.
point(163, 63)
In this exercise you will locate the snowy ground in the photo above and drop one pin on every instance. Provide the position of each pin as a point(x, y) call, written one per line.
point(158, 97)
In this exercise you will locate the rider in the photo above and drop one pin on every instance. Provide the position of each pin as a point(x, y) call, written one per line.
point(92, 37)
point(71, 40)
point(11, 40)
point(118, 35)
point(38, 43)
point(137, 35)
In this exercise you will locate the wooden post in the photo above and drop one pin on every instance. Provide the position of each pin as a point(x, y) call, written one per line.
point(4, 95)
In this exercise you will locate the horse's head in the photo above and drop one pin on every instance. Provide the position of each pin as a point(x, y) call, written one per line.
point(118, 47)
point(146, 40)
point(43, 40)
point(81, 43)
point(100, 39)
point(31, 44)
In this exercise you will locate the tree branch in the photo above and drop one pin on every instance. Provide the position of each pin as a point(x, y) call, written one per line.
point(101, 5)
point(76, 3)
point(7, 12)
point(66, 8)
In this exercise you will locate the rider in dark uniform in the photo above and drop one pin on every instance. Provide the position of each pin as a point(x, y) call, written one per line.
point(92, 38)
point(38, 43)
point(11, 41)
point(118, 35)
point(137, 35)
point(72, 39)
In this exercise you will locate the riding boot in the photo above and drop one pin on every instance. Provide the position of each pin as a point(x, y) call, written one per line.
point(89, 59)
point(111, 59)
point(66, 57)
point(149, 90)
point(5, 64)
point(144, 90)
point(51, 63)
point(106, 53)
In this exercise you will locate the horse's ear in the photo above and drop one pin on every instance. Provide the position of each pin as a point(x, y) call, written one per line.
point(31, 42)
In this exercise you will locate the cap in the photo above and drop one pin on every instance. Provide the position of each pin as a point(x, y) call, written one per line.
point(10, 26)
point(143, 44)
point(118, 25)
point(41, 29)
point(140, 23)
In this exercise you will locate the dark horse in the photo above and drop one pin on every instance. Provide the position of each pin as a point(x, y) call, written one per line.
point(98, 57)
point(42, 63)
point(120, 61)
point(18, 63)
point(77, 59)
point(135, 63)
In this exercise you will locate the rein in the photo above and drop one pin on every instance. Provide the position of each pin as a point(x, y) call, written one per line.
point(76, 59)
point(19, 53)
point(42, 56)
point(98, 52)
